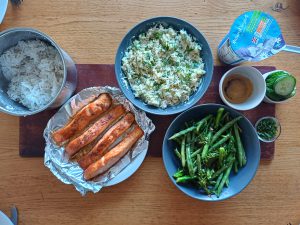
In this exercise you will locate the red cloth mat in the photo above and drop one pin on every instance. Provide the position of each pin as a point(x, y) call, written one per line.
point(32, 144)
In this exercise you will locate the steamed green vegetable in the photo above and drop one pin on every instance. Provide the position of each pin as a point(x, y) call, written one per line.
point(209, 150)
point(280, 86)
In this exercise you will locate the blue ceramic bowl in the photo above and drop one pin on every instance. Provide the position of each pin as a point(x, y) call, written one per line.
point(237, 181)
point(176, 24)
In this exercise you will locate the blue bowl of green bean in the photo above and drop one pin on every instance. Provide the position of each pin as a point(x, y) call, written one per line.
point(211, 152)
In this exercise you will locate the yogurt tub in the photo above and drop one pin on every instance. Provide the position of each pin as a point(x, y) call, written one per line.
point(253, 36)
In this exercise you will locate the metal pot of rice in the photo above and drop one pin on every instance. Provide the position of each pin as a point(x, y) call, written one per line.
point(35, 73)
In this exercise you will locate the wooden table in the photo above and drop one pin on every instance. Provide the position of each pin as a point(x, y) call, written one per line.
point(90, 32)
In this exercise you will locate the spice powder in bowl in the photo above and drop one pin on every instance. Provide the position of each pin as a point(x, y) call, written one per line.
point(237, 89)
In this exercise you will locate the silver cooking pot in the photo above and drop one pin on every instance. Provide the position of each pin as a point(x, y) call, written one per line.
point(10, 38)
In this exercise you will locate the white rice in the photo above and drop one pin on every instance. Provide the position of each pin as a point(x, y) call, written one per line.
point(35, 71)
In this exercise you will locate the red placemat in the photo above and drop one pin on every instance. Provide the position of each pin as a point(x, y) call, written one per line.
point(32, 144)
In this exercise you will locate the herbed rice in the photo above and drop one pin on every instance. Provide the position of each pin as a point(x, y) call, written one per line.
point(163, 66)
point(35, 71)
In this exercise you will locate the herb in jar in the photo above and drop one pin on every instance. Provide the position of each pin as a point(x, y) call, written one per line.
point(267, 129)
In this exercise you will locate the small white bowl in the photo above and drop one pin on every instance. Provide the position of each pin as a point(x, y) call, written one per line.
point(259, 87)
point(266, 98)
point(278, 129)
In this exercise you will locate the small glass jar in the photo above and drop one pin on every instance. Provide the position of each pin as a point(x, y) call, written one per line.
point(277, 132)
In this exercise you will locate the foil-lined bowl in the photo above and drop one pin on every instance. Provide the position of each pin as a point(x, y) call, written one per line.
point(69, 172)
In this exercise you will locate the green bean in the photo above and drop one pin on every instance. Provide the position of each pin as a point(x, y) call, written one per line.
point(195, 169)
point(188, 156)
point(218, 181)
point(179, 173)
point(212, 182)
point(219, 143)
point(226, 175)
point(218, 118)
point(231, 148)
point(224, 167)
point(196, 152)
point(224, 128)
point(183, 152)
point(244, 158)
point(202, 122)
point(194, 162)
point(240, 147)
point(177, 153)
point(222, 154)
point(183, 132)
point(227, 182)
point(184, 179)
point(206, 146)
point(225, 117)
point(236, 169)
point(192, 141)
point(199, 163)
point(197, 126)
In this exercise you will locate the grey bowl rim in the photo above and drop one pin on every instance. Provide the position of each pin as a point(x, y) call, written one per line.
point(48, 38)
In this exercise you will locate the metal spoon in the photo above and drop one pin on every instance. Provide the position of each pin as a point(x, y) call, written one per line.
point(291, 48)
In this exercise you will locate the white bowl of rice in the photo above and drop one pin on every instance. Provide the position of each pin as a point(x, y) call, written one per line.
point(35, 73)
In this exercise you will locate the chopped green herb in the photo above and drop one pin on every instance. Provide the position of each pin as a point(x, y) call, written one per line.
point(267, 129)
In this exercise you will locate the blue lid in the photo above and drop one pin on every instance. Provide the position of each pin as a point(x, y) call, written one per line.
point(255, 36)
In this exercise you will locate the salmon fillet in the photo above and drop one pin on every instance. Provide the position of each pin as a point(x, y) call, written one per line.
point(114, 155)
point(95, 130)
point(82, 119)
point(109, 138)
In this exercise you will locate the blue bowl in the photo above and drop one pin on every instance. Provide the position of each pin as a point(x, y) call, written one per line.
point(237, 181)
point(176, 24)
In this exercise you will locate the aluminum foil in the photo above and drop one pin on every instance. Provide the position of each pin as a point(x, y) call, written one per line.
point(69, 172)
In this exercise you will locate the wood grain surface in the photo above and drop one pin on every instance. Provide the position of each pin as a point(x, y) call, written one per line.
point(90, 32)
